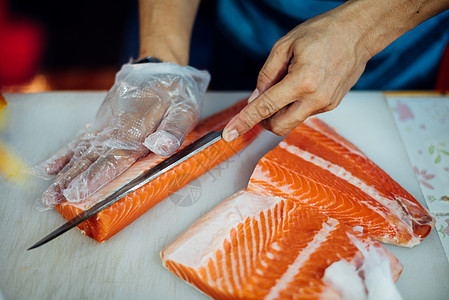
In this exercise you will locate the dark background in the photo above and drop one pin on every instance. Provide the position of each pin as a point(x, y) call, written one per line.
point(100, 36)
point(82, 33)
point(86, 42)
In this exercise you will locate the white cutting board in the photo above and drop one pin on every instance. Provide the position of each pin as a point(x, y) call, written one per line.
point(128, 266)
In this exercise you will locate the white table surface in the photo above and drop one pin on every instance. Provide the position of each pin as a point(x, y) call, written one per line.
point(128, 266)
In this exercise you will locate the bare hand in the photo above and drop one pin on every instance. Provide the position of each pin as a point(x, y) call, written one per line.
point(308, 71)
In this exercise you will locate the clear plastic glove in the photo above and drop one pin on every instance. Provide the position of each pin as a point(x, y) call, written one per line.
point(151, 106)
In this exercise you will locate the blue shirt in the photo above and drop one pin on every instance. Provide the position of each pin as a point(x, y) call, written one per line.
point(410, 62)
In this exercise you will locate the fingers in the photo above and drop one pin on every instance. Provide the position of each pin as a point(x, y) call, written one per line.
point(173, 129)
point(84, 144)
point(99, 173)
point(289, 117)
point(54, 164)
point(267, 104)
point(167, 97)
point(61, 161)
point(286, 104)
point(274, 69)
point(88, 174)
point(272, 92)
point(53, 195)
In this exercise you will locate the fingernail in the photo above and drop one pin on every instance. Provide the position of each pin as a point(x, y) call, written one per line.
point(162, 143)
point(230, 135)
point(253, 96)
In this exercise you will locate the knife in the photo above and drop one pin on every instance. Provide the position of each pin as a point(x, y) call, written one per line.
point(136, 183)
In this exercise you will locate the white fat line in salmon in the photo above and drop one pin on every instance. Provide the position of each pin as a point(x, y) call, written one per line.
point(234, 276)
point(253, 243)
point(293, 269)
point(343, 142)
point(228, 276)
point(353, 180)
point(246, 258)
point(351, 148)
point(240, 263)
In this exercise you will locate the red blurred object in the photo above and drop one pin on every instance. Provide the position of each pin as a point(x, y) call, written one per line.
point(443, 73)
point(21, 48)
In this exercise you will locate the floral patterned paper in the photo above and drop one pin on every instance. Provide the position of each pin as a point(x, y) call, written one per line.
point(423, 123)
point(442, 226)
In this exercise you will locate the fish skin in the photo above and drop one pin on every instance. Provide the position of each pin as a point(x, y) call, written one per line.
point(114, 218)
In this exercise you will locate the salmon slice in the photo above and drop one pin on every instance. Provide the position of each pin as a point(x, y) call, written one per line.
point(304, 228)
point(117, 216)
point(254, 246)
point(322, 170)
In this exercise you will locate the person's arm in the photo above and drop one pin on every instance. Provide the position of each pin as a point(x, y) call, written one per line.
point(166, 29)
point(311, 69)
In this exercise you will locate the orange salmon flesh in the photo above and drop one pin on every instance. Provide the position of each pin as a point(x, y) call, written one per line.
point(304, 228)
point(119, 215)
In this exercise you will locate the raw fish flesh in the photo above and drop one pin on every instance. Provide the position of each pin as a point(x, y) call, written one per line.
point(322, 170)
point(253, 246)
point(117, 216)
point(304, 228)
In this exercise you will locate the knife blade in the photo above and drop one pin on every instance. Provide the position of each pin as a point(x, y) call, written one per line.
point(136, 183)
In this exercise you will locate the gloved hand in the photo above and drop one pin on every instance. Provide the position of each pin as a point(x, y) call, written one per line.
point(151, 104)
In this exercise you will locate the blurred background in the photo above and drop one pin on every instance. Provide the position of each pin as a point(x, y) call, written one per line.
point(80, 45)
point(48, 44)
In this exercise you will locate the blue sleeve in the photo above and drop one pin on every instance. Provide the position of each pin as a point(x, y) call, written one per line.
point(410, 62)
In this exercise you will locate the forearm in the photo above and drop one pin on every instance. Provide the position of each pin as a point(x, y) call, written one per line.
point(166, 29)
point(377, 23)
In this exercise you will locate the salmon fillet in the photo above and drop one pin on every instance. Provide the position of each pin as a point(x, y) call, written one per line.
point(253, 246)
point(322, 170)
point(305, 227)
point(117, 216)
